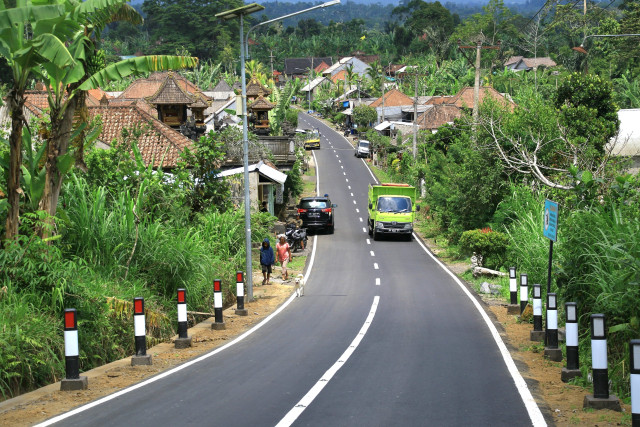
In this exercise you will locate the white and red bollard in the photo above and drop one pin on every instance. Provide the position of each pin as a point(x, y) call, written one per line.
point(524, 292)
point(240, 310)
point(140, 331)
point(537, 334)
point(634, 364)
point(513, 307)
point(183, 340)
point(72, 380)
point(601, 399)
point(572, 370)
point(217, 306)
point(551, 349)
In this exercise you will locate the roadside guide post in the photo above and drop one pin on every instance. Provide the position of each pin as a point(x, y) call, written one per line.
point(240, 310)
point(183, 340)
point(634, 364)
point(140, 331)
point(551, 350)
point(537, 334)
point(600, 399)
point(72, 380)
point(219, 324)
point(513, 307)
point(524, 292)
point(572, 370)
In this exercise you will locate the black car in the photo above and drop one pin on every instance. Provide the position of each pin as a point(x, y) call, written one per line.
point(317, 213)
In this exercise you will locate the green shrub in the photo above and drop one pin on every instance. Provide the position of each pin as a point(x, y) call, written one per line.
point(492, 245)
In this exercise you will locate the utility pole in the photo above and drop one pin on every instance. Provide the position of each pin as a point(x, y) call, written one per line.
point(476, 88)
point(382, 99)
point(415, 118)
point(271, 59)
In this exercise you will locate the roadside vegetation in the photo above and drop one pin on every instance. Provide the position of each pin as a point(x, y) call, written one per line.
point(95, 237)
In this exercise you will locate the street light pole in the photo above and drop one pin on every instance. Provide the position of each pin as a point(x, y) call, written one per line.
point(235, 13)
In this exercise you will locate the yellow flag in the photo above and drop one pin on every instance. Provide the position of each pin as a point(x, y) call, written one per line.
point(363, 37)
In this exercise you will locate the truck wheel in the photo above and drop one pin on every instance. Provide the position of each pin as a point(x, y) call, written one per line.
point(370, 228)
point(376, 235)
point(330, 230)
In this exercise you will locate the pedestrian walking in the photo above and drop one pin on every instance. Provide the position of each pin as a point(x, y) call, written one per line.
point(283, 252)
point(267, 259)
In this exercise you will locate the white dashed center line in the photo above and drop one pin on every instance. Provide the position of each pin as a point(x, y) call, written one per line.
point(364, 230)
point(368, 242)
point(360, 219)
point(354, 202)
point(357, 210)
point(347, 180)
point(375, 265)
point(372, 253)
point(377, 281)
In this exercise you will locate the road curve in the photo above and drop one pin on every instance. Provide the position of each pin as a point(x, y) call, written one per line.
point(383, 336)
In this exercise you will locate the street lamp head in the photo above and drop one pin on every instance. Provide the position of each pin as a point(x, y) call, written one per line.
point(330, 3)
point(240, 11)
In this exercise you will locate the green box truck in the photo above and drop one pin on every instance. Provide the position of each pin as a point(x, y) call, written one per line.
point(392, 209)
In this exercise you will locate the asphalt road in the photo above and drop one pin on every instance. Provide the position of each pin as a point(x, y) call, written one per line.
point(384, 336)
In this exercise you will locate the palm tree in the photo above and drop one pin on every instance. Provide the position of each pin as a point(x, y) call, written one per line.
point(47, 26)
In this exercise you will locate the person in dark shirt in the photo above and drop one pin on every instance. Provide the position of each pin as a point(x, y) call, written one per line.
point(267, 259)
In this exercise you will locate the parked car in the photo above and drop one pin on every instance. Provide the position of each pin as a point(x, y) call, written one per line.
point(362, 148)
point(312, 139)
point(317, 213)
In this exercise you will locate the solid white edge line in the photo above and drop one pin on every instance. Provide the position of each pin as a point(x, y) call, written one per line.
point(529, 402)
point(201, 358)
point(308, 398)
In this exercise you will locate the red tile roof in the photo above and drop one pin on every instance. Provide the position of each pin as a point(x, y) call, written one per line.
point(159, 144)
point(320, 68)
point(143, 88)
point(170, 93)
point(340, 75)
point(438, 115)
point(393, 98)
point(464, 98)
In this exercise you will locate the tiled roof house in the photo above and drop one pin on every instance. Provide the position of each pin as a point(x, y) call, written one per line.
point(301, 66)
point(438, 115)
point(519, 63)
point(393, 98)
point(464, 98)
point(160, 146)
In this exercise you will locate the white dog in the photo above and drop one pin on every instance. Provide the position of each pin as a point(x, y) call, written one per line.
point(299, 285)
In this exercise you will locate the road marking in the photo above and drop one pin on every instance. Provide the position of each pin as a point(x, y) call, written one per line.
point(351, 194)
point(364, 230)
point(336, 155)
point(347, 180)
point(339, 161)
point(354, 202)
point(349, 187)
point(372, 253)
point(341, 167)
point(308, 398)
point(532, 408)
point(375, 266)
point(368, 241)
point(334, 152)
point(357, 210)
point(344, 173)
point(377, 281)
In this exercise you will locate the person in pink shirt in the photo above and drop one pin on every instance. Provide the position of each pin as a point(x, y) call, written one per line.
point(283, 254)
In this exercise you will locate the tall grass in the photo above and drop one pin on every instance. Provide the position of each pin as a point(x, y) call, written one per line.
point(521, 216)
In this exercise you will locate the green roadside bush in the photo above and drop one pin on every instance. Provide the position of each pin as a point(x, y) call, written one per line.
point(492, 245)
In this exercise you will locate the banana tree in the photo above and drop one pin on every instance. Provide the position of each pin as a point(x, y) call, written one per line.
point(68, 85)
point(30, 34)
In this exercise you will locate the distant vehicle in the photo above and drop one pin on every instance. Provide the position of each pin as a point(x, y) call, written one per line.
point(312, 139)
point(362, 149)
point(391, 210)
point(317, 213)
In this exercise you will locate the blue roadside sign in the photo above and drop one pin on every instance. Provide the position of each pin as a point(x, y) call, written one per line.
point(550, 220)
